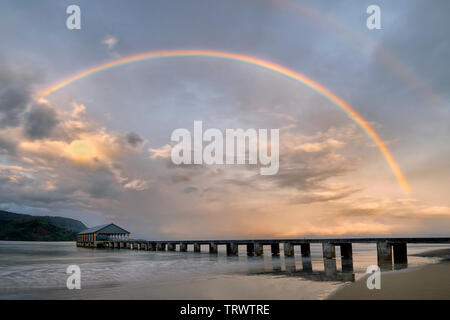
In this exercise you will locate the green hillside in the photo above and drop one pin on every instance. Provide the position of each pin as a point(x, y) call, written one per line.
point(61, 222)
point(24, 227)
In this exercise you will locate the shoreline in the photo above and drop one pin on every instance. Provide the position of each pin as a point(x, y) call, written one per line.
point(431, 281)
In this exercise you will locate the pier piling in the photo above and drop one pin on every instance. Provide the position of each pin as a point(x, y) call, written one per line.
point(250, 249)
point(306, 263)
point(400, 255)
point(275, 248)
point(290, 265)
point(305, 250)
point(258, 249)
point(232, 249)
point(384, 255)
point(328, 250)
point(346, 257)
point(329, 266)
point(213, 248)
point(288, 249)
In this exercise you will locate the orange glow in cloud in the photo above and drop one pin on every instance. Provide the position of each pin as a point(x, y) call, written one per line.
point(81, 149)
point(92, 150)
point(258, 62)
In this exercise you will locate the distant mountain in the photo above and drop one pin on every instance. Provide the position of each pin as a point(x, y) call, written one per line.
point(67, 223)
point(25, 227)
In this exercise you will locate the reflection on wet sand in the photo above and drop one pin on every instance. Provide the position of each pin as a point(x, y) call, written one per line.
point(329, 273)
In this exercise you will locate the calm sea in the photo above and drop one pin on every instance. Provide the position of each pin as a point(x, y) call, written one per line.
point(37, 270)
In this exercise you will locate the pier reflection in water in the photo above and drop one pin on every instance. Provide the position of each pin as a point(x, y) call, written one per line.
point(290, 268)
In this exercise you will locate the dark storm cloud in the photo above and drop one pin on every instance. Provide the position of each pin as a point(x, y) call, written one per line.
point(73, 188)
point(40, 122)
point(101, 185)
point(134, 139)
point(21, 189)
point(306, 179)
point(190, 189)
point(7, 146)
point(14, 95)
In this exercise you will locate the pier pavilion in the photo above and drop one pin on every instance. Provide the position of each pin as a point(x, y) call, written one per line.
point(97, 236)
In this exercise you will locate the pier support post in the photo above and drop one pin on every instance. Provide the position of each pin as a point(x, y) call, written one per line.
point(183, 247)
point(213, 248)
point(171, 247)
point(275, 248)
point(346, 250)
point(250, 249)
point(153, 246)
point(307, 263)
point(197, 247)
point(384, 255)
point(161, 247)
point(329, 266)
point(290, 265)
point(328, 250)
point(347, 257)
point(288, 249)
point(232, 249)
point(306, 249)
point(276, 264)
point(400, 255)
point(259, 249)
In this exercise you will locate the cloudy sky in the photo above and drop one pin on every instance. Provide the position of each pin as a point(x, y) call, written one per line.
point(97, 149)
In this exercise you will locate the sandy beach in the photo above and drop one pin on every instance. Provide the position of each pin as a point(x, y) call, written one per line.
point(430, 282)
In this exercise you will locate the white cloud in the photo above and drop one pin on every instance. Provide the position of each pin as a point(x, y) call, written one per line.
point(110, 41)
point(163, 152)
point(138, 185)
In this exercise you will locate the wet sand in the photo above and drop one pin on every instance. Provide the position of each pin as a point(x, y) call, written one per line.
point(431, 282)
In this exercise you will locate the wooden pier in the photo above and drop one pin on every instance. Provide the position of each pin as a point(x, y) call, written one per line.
point(390, 251)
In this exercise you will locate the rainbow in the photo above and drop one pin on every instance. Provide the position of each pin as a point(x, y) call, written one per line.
point(254, 61)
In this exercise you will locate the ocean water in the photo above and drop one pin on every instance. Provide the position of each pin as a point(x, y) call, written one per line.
point(37, 270)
